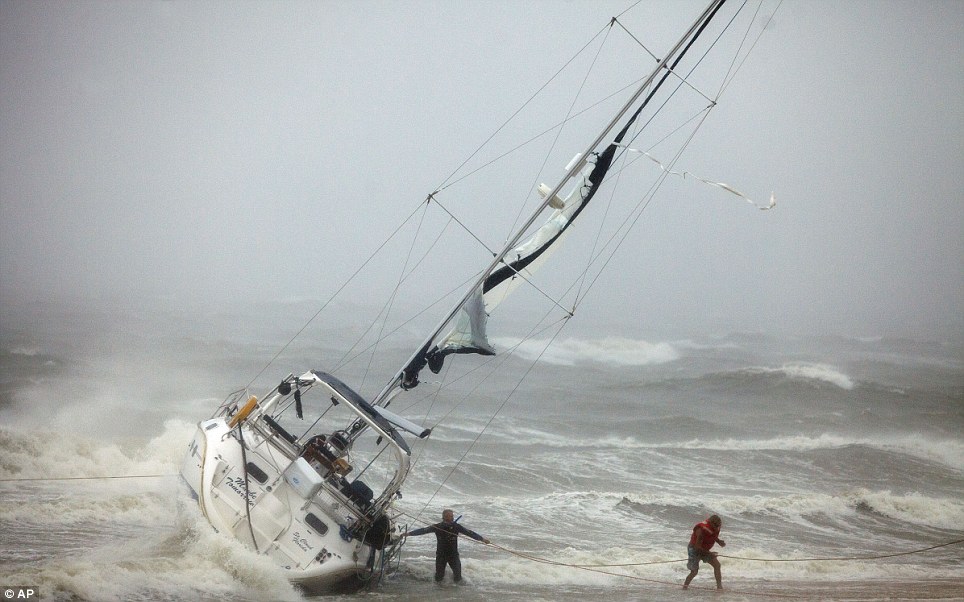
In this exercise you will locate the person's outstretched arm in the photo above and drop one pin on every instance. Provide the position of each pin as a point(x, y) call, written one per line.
point(422, 531)
point(471, 533)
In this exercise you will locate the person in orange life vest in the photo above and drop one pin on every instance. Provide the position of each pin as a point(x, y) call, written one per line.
point(447, 552)
point(705, 534)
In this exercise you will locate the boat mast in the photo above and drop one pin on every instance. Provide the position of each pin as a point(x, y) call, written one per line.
point(576, 167)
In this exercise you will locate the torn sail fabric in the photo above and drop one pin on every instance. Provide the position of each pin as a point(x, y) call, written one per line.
point(468, 335)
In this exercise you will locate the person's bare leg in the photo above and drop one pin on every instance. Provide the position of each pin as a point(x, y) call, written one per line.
point(715, 563)
point(690, 577)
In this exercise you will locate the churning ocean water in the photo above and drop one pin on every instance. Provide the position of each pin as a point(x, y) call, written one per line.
point(588, 478)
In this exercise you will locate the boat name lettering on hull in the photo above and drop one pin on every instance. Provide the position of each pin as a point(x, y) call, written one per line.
point(301, 542)
point(237, 485)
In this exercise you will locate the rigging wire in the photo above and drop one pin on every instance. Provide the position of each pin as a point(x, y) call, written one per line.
point(499, 360)
point(465, 228)
point(445, 182)
point(647, 198)
point(637, 213)
point(599, 231)
point(391, 298)
point(548, 153)
point(660, 179)
point(488, 423)
point(546, 131)
point(341, 362)
point(752, 46)
point(332, 298)
point(448, 181)
point(668, 69)
point(637, 40)
point(347, 360)
point(736, 54)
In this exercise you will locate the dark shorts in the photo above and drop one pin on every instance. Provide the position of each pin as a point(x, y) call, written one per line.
point(694, 556)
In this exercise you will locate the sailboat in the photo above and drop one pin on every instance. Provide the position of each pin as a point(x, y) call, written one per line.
point(317, 500)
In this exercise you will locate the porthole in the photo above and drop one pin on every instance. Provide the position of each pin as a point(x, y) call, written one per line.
point(258, 474)
point(315, 523)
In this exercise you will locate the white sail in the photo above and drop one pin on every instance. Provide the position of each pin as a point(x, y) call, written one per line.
point(468, 335)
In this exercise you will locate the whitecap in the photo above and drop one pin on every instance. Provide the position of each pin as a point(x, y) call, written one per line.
point(26, 351)
point(614, 351)
point(810, 371)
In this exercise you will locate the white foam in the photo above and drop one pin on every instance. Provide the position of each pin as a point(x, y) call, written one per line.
point(915, 508)
point(129, 538)
point(63, 454)
point(691, 344)
point(788, 443)
point(810, 371)
point(943, 513)
point(614, 351)
point(948, 452)
point(188, 562)
point(623, 566)
point(26, 351)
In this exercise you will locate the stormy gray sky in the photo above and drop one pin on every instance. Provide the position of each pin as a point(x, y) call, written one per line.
point(197, 153)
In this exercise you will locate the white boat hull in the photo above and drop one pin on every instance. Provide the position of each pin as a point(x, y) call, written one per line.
point(307, 532)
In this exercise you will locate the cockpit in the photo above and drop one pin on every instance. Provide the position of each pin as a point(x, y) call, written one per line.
point(328, 454)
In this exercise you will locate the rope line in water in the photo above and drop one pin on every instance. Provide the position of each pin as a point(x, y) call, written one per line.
point(826, 558)
point(598, 568)
point(628, 564)
point(877, 557)
point(546, 560)
point(593, 568)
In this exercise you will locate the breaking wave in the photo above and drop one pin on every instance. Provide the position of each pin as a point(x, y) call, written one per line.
point(119, 539)
point(809, 371)
point(73, 456)
point(614, 351)
point(913, 508)
point(947, 452)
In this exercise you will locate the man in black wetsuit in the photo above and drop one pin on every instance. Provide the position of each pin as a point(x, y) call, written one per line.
point(447, 533)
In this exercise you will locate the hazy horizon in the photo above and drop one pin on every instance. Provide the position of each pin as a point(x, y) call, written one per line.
point(209, 156)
